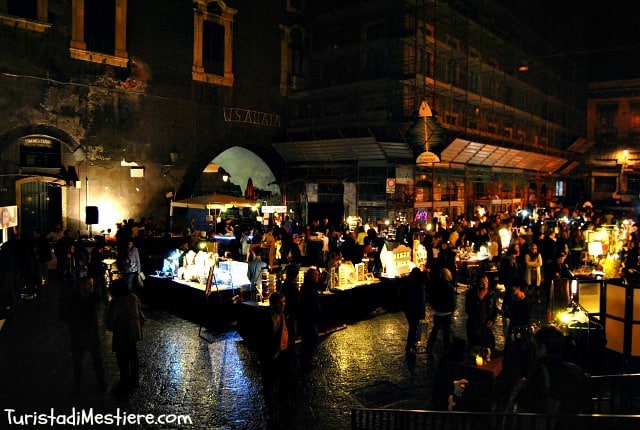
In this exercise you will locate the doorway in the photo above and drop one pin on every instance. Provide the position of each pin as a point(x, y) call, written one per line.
point(40, 206)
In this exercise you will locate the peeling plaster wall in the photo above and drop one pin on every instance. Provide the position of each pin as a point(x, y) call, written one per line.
point(139, 114)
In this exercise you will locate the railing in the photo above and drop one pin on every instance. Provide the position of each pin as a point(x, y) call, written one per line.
point(394, 419)
point(616, 405)
point(616, 394)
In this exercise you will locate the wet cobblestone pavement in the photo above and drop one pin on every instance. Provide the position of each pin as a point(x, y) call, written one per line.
point(216, 381)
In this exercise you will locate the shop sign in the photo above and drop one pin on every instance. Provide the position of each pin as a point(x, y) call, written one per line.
point(232, 114)
point(37, 142)
point(391, 185)
point(274, 209)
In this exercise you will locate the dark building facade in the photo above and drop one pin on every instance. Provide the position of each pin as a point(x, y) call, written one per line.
point(506, 109)
point(125, 105)
point(115, 104)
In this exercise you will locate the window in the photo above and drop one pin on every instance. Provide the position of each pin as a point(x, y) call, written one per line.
point(474, 80)
point(453, 43)
point(292, 62)
point(635, 118)
point(213, 42)
point(451, 118)
point(560, 188)
point(605, 117)
point(99, 31)
point(26, 14)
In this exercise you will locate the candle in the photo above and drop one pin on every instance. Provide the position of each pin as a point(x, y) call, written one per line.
point(479, 361)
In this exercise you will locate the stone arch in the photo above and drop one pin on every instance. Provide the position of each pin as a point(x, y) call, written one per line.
point(242, 164)
point(65, 138)
point(197, 165)
point(37, 179)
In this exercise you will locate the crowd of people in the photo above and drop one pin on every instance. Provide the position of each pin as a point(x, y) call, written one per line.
point(88, 298)
point(537, 254)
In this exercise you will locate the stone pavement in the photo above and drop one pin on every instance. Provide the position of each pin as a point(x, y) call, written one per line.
point(214, 379)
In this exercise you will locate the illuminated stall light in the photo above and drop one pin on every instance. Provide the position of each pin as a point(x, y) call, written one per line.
point(505, 237)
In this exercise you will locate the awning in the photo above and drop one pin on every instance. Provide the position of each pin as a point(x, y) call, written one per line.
point(480, 154)
point(348, 149)
point(460, 151)
point(214, 201)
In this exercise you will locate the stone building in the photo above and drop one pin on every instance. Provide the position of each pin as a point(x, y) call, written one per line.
point(123, 106)
point(613, 132)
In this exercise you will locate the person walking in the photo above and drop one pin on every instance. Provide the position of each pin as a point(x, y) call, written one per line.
point(413, 298)
point(443, 302)
point(124, 318)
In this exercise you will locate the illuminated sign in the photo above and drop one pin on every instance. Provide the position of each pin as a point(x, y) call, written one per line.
point(273, 209)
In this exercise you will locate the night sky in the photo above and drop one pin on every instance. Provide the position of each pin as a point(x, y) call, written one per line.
point(604, 34)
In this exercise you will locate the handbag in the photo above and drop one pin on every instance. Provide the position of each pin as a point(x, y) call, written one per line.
point(141, 279)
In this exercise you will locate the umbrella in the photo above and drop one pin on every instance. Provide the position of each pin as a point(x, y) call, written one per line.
point(214, 201)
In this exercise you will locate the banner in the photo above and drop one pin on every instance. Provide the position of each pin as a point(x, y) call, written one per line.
point(8, 216)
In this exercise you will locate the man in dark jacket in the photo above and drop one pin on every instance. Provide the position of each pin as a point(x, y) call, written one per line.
point(413, 297)
point(124, 318)
point(443, 301)
point(85, 331)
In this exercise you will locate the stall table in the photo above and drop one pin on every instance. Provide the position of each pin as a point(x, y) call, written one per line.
point(339, 306)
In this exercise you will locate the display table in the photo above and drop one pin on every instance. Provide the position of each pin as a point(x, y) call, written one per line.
point(483, 380)
point(338, 306)
point(470, 268)
point(192, 300)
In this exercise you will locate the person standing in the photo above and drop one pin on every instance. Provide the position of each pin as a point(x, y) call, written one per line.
point(85, 331)
point(254, 271)
point(533, 270)
point(60, 248)
point(443, 302)
point(517, 350)
point(273, 350)
point(413, 297)
point(480, 307)
point(553, 385)
point(73, 270)
point(131, 266)
point(289, 289)
point(124, 319)
point(43, 256)
point(309, 315)
point(96, 269)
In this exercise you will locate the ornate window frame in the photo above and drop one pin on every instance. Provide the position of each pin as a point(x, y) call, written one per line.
point(40, 25)
point(224, 18)
point(78, 46)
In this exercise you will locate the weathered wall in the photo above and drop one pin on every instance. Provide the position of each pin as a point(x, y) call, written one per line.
point(92, 105)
